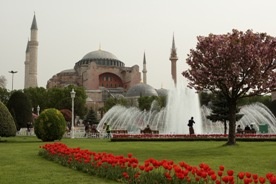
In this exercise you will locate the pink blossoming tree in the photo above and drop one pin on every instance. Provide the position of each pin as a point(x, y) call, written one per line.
point(237, 64)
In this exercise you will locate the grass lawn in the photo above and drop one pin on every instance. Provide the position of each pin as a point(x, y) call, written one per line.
point(20, 162)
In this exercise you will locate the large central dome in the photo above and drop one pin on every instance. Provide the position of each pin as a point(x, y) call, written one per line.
point(99, 54)
point(100, 57)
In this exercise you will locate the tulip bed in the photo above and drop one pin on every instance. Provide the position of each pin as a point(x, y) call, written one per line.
point(188, 137)
point(127, 169)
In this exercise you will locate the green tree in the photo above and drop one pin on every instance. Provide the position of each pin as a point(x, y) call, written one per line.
point(237, 64)
point(20, 108)
point(110, 102)
point(7, 125)
point(91, 117)
point(60, 98)
point(38, 97)
point(4, 95)
point(145, 102)
point(272, 107)
point(264, 99)
point(205, 98)
point(50, 125)
point(220, 111)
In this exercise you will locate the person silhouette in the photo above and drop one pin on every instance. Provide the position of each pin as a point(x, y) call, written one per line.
point(190, 125)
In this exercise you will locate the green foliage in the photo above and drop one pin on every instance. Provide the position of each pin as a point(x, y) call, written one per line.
point(38, 97)
point(220, 111)
point(145, 102)
point(65, 101)
point(205, 98)
point(264, 99)
point(7, 125)
point(50, 125)
point(91, 117)
point(4, 95)
point(110, 102)
point(20, 108)
point(272, 107)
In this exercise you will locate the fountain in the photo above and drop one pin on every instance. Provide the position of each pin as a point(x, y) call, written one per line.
point(256, 114)
point(182, 104)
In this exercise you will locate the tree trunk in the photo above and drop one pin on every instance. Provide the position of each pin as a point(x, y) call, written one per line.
point(232, 123)
point(225, 127)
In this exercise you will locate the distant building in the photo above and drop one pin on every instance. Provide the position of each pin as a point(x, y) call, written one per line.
point(101, 73)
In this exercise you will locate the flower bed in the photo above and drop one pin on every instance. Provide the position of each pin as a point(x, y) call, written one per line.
point(128, 170)
point(188, 137)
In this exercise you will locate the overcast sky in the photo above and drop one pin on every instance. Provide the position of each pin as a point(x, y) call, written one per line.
point(69, 29)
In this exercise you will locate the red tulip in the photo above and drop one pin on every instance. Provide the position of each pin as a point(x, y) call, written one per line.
point(221, 168)
point(225, 179)
point(230, 172)
point(241, 175)
point(248, 175)
point(220, 173)
point(213, 177)
point(262, 180)
point(268, 175)
point(255, 176)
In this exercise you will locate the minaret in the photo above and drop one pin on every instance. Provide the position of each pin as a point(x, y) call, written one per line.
point(144, 70)
point(173, 59)
point(31, 78)
point(27, 62)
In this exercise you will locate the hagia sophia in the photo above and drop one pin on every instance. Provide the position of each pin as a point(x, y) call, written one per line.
point(100, 72)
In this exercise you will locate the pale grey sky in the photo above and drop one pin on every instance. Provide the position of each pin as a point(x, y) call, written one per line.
point(69, 29)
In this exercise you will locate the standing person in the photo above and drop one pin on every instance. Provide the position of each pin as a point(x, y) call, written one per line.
point(108, 131)
point(29, 126)
point(190, 125)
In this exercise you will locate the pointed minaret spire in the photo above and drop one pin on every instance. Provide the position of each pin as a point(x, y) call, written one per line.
point(173, 44)
point(144, 69)
point(34, 25)
point(173, 59)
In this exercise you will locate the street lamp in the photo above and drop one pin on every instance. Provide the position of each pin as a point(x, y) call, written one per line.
point(12, 72)
point(73, 94)
point(38, 109)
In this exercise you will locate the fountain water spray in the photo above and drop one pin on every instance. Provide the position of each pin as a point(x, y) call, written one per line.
point(182, 104)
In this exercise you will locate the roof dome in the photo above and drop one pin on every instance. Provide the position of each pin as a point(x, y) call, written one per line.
point(99, 54)
point(100, 57)
point(162, 92)
point(141, 89)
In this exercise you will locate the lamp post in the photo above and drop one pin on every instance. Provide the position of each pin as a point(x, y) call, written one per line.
point(73, 94)
point(12, 72)
point(38, 109)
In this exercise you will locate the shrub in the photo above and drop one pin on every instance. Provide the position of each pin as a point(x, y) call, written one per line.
point(20, 108)
point(50, 125)
point(7, 125)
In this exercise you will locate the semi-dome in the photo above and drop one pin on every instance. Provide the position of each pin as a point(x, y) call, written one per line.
point(141, 89)
point(100, 57)
point(162, 92)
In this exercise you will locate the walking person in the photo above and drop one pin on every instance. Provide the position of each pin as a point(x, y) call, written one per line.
point(190, 125)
